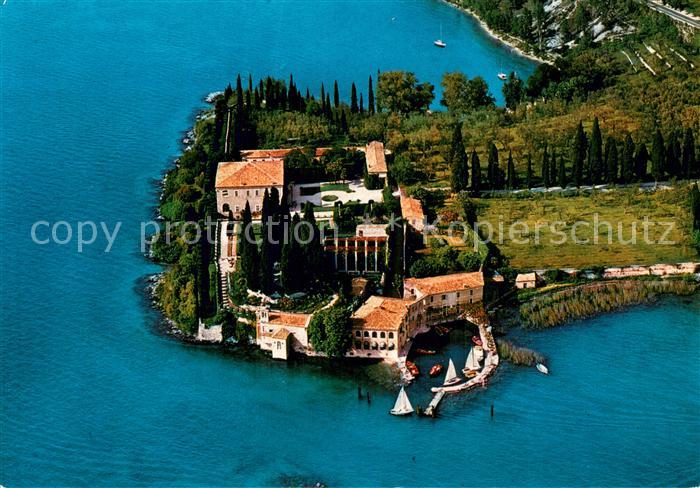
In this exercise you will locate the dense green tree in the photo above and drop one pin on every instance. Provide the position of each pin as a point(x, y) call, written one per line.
point(400, 92)
point(627, 170)
point(689, 162)
point(528, 174)
point(578, 154)
point(457, 159)
point(595, 154)
point(370, 96)
point(476, 173)
point(513, 91)
point(658, 156)
point(460, 94)
point(329, 331)
point(640, 162)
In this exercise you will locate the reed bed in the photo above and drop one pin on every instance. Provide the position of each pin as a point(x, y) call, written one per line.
point(587, 300)
point(520, 356)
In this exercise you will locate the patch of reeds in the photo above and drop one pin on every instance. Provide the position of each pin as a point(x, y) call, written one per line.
point(520, 356)
point(587, 300)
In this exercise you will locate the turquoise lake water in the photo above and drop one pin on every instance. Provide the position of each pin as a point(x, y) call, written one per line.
point(94, 98)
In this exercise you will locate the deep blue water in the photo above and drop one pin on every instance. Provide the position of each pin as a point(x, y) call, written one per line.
point(94, 97)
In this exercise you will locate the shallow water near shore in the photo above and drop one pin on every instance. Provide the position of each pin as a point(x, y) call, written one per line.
point(94, 97)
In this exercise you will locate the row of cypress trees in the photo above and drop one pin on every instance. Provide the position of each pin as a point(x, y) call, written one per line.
point(591, 162)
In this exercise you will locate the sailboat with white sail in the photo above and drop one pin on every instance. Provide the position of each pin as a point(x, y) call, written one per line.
point(451, 377)
point(439, 42)
point(472, 366)
point(403, 405)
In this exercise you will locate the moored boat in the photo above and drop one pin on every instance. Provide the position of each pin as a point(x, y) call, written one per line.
point(439, 42)
point(412, 368)
point(435, 370)
point(451, 377)
point(403, 405)
point(502, 76)
point(542, 368)
point(425, 351)
point(472, 366)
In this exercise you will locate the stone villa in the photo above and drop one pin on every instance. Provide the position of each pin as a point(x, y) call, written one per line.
point(239, 182)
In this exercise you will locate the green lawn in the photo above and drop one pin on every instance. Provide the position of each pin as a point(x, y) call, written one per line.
point(336, 187)
point(559, 218)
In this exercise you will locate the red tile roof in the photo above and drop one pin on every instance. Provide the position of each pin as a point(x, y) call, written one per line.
point(250, 174)
point(446, 283)
point(381, 313)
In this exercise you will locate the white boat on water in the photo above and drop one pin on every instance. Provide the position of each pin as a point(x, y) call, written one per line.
point(403, 405)
point(502, 76)
point(451, 377)
point(472, 364)
point(542, 368)
point(439, 42)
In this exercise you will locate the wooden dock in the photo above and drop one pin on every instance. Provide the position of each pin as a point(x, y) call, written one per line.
point(490, 364)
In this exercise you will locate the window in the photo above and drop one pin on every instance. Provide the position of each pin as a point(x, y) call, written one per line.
point(366, 334)
point(224, 193)
point(366, 345)
point(257, 208)
point(238, 209)
point(444, 297)
point(431, 299)
point(257, 193)
point(374, 335)
point(358, 333)
point(457, 294)
point(247, 193)
point(470, 300)
point(382, 335)
point(471, 292)
point(391, 335)
point(235, 193)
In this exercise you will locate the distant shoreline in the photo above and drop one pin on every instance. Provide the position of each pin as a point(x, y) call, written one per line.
point(502, 38)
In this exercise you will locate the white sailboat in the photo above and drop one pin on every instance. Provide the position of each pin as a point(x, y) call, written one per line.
point(472, 365)
point(403, 405)
point(542, 368)
point(451, 377)
point(439, 42)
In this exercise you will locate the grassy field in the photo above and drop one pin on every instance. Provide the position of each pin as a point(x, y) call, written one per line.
point(559, 218)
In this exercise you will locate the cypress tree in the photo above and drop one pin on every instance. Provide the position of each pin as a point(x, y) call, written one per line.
point(640, 162)
point(512, 179)
point(476, 173)
point(595, 154)
point(328, 110)
point(561, 177)
point(578, 154)
point(553, 168)
point(266, 268)
point(370, 97)
point(657, 156)
point(353, 99)
point(343, 122)
point(457, 158)
point(528, 175)
point(545, 167)
point(362, 103)
point(239, 95)
point(323, 97)
point(336, 94)
point(492, 168)
point(611, 160)
point(674, 154)
point(248, 250)
point(627, 170)
point(249, 92)
point(689, 161)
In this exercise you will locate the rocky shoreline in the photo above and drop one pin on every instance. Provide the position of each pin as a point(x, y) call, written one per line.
point(515, 44)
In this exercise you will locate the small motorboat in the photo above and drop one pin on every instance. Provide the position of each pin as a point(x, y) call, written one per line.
point(502, 76)
point(412, 368)
point(476, 340)
point(542, 368)
point(403, 405)
point(435, 370)
point(425, 351)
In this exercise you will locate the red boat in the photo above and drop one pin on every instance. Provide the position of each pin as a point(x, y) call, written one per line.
point(424, 351)
point(412, 368)
point(435, 370)
point(477, 341)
